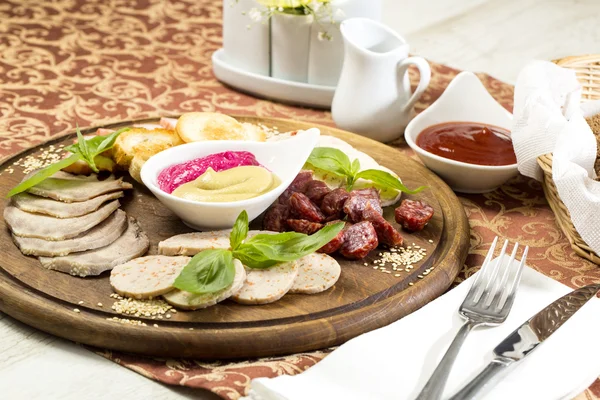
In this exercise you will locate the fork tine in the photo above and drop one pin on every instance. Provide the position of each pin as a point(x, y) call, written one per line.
point(507, 304)
point(501, 289)
point(476, 283)
point(484, 293)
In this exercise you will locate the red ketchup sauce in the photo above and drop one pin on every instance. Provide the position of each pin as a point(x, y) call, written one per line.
point(176, 175)
point(469, 142)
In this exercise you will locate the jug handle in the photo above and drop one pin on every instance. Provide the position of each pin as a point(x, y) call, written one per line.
point(425, 76)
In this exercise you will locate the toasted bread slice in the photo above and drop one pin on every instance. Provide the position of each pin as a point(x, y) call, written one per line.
point(130, 142)
point(143, 152)
point(200, 126)
point(254, 132)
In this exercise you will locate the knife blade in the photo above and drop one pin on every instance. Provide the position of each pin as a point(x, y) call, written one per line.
point(520, 343)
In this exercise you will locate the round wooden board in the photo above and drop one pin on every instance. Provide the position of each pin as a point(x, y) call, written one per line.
point(362, 300)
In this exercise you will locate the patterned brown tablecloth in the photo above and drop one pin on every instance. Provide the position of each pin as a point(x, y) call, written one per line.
point(95, 62)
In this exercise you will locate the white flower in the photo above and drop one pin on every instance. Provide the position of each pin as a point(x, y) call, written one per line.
point(255, 15)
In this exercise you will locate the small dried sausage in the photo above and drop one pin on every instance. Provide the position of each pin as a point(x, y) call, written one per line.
point(413, 215)
point(359, 240)
point(337, 242)
point(386, 233)
point(333, 202)
point(275, 218)
point(302, 208)
point(298, 185)
point(304, 226)
point(316, 190)
point(358, 201)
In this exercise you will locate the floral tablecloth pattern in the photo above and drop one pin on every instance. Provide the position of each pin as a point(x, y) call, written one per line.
point(92, 62)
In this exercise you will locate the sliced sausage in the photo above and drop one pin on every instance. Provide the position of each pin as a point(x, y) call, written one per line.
point(275, 218)
point(264, 286)
point(335, 243)
point(147, 277)
point(333, 202)
point(316, 191)
point(413, 215)
point(302, 208)
point(357, 202)
point(304, 226)
point(386, 233)
point(316, 273)
point(359, 240)
point(195, 301)
point(298, 185)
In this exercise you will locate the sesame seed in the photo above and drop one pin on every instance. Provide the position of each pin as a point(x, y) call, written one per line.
point(410, 284)
point(76, 310)
point(191, 329)
point(396, 275)
point(127, 321)
point(430, 241)
point(140, 308)
point(155, 325)
point(80, 302)
point(99, 304)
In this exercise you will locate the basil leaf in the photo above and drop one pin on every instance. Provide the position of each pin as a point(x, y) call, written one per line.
point(330, 159)
point(207, 272)
point(99, 144)
point(43, 174)
point(355, 166)
point(288, 246)
point(90, 148)
point(82, 145)
point(386, 179)
point(239, 231)
point(252, 257)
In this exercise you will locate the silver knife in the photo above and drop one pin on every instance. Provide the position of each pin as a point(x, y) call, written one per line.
point(526, 338)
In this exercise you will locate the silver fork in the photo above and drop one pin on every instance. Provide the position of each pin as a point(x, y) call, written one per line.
point(488, 303)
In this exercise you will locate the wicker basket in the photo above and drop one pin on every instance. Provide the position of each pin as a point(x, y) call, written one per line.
point(587, 69)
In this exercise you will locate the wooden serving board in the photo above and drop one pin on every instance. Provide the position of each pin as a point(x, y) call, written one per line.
point(362, 300)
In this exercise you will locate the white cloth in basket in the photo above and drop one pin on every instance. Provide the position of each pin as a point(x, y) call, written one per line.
point(549, 118)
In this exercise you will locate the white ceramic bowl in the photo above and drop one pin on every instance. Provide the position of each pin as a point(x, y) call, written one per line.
point(284, 158)
point(464, 100)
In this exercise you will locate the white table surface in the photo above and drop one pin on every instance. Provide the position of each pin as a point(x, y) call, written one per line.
point(493, 36)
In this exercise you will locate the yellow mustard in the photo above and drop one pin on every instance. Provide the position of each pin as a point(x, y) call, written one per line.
point(239, 183)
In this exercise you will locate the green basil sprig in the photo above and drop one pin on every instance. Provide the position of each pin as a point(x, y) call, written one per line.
point(212, 270)
point(337, 162)
point(85, 150)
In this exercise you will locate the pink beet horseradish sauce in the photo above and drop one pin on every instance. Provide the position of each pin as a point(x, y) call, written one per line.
point(176, 175)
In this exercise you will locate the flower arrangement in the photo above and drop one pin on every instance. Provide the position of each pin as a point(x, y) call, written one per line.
point(321, 10)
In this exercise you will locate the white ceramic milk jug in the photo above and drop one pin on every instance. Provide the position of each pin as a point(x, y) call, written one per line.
point(373, 96)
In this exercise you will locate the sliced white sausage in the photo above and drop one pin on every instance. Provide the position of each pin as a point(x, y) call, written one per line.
point(190, 244)
point(193, 301)
point(316, 273)
point(147, 277)
point(267, 285)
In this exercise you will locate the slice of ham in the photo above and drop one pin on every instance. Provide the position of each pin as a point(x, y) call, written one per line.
point(316, 273)
point(73, 190)
point(42, 205)
point(25, 224)
point(147, 277)
point(193, 301)
point(265, 286)
point(150, 127)
point(101, 235)
point(133, 243)
point(168, 123)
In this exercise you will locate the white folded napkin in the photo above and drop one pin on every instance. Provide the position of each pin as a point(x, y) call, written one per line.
point(394, 362)
point(549, 118)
